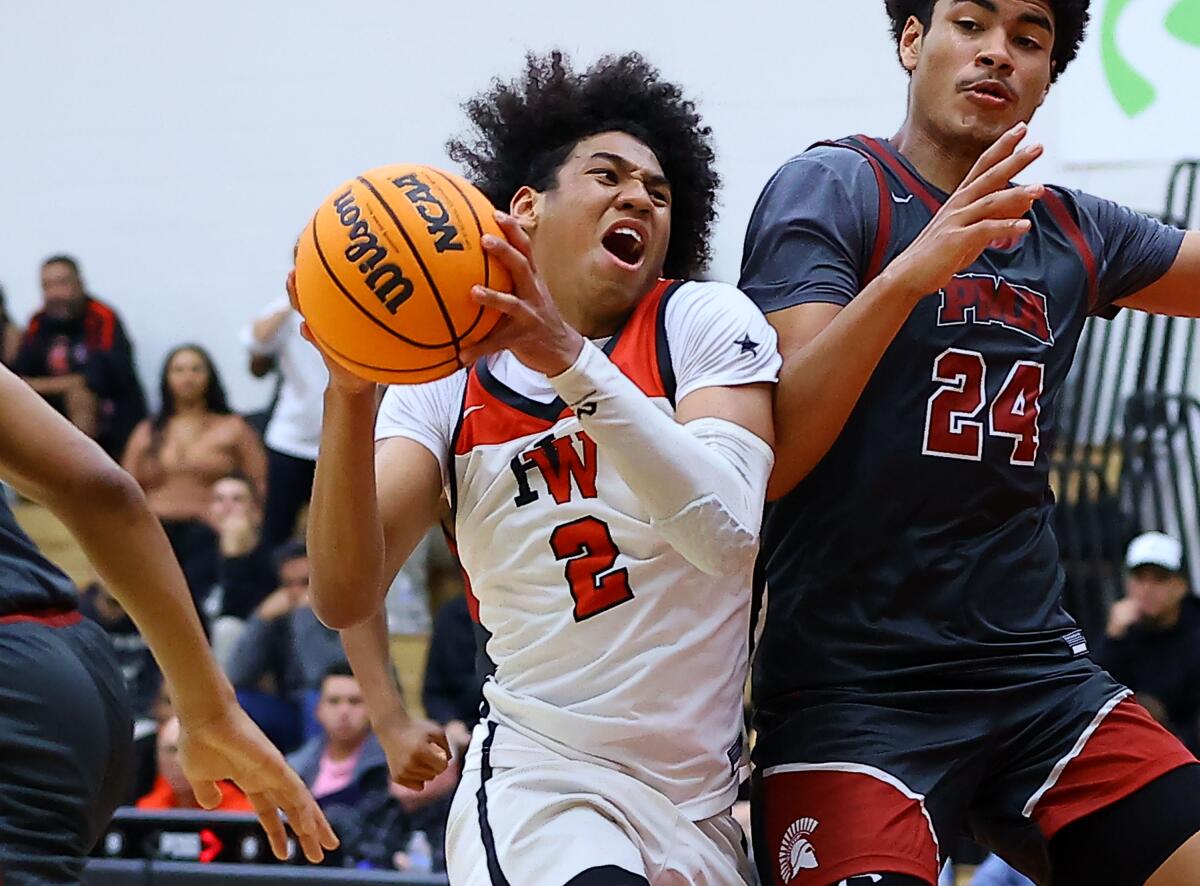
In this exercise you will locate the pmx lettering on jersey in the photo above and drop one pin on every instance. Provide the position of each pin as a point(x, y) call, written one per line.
point(987, 300)
point(432, 210)
point(386, 280)
point(563, 462)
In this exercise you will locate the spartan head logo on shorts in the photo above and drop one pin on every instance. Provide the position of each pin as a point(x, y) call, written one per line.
point(796, 854)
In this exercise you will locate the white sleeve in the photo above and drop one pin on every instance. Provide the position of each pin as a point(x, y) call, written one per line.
point(426, 413)
point(718, 338)
point(271, 346)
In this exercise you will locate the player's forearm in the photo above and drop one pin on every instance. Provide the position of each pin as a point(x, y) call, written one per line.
point(822, 380)
point(367, 650)
point(345, 534)
point(131, 554)
point(702, 484)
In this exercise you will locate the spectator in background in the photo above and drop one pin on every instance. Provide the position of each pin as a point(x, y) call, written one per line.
point(453, 688)
point(1152, 641)
point(283, 654)
point(294, 429)
point(10, 333)
point(76, 354)
point(231, 570)
point(193, 441)
point(137, 664)
point(173, 791)
point(346, 769)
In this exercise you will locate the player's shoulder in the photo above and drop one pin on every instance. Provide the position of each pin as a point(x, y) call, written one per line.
point(436, 394)
point(837, 159)
point(707, 297)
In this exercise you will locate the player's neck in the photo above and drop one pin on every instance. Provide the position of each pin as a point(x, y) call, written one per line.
point(940, 162)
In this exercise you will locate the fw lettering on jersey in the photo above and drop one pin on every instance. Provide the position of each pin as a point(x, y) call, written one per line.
point(987, 300)
point(563, 462)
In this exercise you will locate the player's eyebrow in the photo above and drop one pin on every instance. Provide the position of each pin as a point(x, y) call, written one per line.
point(650, 179)
point(1029, 18)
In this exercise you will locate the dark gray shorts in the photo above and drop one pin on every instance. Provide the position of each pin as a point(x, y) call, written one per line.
point(66, 747)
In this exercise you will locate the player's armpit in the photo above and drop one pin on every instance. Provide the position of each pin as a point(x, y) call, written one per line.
point(1177, 292)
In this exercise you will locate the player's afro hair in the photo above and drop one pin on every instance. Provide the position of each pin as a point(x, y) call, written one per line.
point(525, 130)
point(1070, 22)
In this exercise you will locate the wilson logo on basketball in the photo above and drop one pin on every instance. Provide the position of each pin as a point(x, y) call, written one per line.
point(366, 250)
point(432, 211)
point(796, 853)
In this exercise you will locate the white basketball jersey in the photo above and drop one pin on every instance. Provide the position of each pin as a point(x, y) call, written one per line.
point(607, 644)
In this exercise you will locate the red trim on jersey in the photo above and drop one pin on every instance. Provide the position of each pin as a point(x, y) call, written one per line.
point(1070, 227)
point(914, 184)
point(488, 420)
point(636, 351)
point(472, 600)
point(849, 821)
point(883, 221)
point(53, 618)
point(1127, 751)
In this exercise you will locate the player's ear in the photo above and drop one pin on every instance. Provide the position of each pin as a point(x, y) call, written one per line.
point(526, 206)
point(910, 43)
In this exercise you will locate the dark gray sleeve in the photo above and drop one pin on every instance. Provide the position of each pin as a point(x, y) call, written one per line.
point(811, 234)
point(253, 654)
point(1132, 250)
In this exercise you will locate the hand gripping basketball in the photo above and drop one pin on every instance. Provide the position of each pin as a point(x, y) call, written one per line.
point(532, 326)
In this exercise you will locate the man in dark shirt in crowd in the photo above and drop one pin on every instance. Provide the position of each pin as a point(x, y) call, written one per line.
point(281, 658)
point(1152, 642)
point(76, 354)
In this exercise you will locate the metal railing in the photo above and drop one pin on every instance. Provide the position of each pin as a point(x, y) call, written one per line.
point(1126, 458)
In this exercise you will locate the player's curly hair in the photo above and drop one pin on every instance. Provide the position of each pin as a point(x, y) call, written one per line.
point(1070, 22)
point(525, 130)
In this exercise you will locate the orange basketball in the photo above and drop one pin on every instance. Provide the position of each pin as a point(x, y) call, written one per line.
point(385, 268)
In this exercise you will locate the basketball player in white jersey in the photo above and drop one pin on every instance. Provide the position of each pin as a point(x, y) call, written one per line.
point(603, 463)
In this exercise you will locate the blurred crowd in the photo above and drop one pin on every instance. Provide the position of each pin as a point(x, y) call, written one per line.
point(231, 492)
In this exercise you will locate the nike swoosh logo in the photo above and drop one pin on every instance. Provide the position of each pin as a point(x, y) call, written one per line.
point(905, 200)
point(471, 409)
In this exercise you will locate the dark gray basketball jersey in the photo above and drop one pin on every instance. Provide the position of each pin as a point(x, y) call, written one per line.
point(923, 541)
point(28, 581)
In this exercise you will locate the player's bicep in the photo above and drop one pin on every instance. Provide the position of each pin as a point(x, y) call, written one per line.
point(408, 486)
point(748, 406)
point(1177, 292)
point(800, 324)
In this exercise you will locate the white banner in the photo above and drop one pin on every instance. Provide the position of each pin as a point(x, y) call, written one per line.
point(1133, 95)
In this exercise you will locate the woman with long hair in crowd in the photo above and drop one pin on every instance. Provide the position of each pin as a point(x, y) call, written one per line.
point(194, 440)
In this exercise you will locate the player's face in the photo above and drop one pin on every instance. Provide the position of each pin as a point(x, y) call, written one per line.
point(981, 67)
point(62, 290)
point(601, 234)
point(342, 712)
point(187, 376)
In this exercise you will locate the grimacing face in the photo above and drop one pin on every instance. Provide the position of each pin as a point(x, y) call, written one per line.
point(602, 232)
point(981, 67)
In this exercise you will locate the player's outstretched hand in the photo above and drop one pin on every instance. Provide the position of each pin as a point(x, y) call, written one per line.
point(230, 747)
point(339, 377)
point(532, 327)
point(416, 750)
point(984, 212)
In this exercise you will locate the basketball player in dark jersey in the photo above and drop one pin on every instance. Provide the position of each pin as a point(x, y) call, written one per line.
point(66, 733)
point(917, 676)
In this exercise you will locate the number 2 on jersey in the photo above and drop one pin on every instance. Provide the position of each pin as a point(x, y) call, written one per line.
point(953, 428)
point(588, 547)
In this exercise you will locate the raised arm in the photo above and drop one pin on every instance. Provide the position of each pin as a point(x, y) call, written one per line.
point(1177, 292)
point(50, 461)
point(832, 339)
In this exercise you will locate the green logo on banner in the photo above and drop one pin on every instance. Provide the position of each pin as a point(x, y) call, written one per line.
point(1133, 92)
